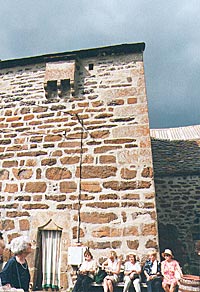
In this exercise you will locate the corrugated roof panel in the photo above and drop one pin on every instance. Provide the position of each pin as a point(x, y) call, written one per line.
point(180, 133)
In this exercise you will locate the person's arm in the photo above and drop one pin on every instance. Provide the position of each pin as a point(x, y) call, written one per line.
point(118, 268)
point(147, 275)
point(82, 268)
point(104, 264)
point(2, 245)
point(138, 268)
point(126, 269)
point(8, 274)
point(93, 268)
point(146, 270)
point(178, 269)
point(158, 269)
point(162, 269)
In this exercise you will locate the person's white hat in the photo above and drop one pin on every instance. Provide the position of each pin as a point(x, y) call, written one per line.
point(167, 251)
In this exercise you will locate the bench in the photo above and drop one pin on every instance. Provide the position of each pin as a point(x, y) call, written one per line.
point(118, 285)
point(121, 285)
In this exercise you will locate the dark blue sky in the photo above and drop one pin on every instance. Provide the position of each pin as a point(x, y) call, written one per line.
point(170, 29)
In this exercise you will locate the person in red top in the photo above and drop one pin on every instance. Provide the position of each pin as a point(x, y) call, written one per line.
point(170, 270)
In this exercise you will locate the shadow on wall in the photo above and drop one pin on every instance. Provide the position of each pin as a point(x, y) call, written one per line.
point(168, 238)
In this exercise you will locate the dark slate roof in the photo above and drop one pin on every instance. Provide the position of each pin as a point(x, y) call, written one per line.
point(176, 151)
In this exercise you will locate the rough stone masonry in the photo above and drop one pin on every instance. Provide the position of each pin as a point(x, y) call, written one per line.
point(75, 150)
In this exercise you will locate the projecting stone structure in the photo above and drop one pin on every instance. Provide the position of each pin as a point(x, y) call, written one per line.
point(76, 151)
point(76, 158)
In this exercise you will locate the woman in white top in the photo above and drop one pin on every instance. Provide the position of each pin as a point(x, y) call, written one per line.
point(112, 267)
point(86, 273)
point(132, 270)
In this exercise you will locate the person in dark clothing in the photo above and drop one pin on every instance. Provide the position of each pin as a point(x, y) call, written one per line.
point(152, 272)
point(86, 273)
point(16, 272)
point(2, 246)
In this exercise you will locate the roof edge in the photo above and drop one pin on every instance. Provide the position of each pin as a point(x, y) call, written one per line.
point(108, 50)
point(176, 133)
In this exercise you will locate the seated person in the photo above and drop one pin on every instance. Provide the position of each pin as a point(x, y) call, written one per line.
point(86, 273)
point(132, 270)
point(112, 267)
point(169, 269)
point(152, 272)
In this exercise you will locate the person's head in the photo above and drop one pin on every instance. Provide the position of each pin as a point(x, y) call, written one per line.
point(167, 254)
point(1, 235)
point(113, 255)
point(132, 257)
point(20, 245)
point(152, 255)
point(87, 255)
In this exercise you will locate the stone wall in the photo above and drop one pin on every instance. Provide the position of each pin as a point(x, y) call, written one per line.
point(176, 157)
point(80, 156)
point(177, 181)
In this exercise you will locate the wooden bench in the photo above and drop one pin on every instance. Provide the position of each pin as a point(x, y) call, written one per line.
point(119, 285)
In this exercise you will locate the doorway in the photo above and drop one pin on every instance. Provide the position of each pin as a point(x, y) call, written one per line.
point(48, 259)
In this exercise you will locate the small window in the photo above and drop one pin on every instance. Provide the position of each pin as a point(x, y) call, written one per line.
point(52, 85)
point(65, 86)
point(91, 66)
point(51, 89)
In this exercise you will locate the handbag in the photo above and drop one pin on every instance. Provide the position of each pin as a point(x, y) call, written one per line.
point(101, 274)
point(136, 276)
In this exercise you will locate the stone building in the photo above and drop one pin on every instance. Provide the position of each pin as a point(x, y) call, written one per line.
point(76, 158)
point(176, 160)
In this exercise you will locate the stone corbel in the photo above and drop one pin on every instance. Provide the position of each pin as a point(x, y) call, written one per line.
point(72, 87)
point(46, 89)
point(59, 88)
point(64, 73)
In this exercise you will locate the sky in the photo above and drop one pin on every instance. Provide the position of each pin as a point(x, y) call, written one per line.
point(170, 29)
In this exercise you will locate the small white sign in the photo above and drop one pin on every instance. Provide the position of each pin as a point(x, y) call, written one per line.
point(75, 255)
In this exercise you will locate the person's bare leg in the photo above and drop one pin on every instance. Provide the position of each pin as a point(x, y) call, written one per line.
point(172, 288)
point(165, 287)
point(110, 285)
point(105, 285)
